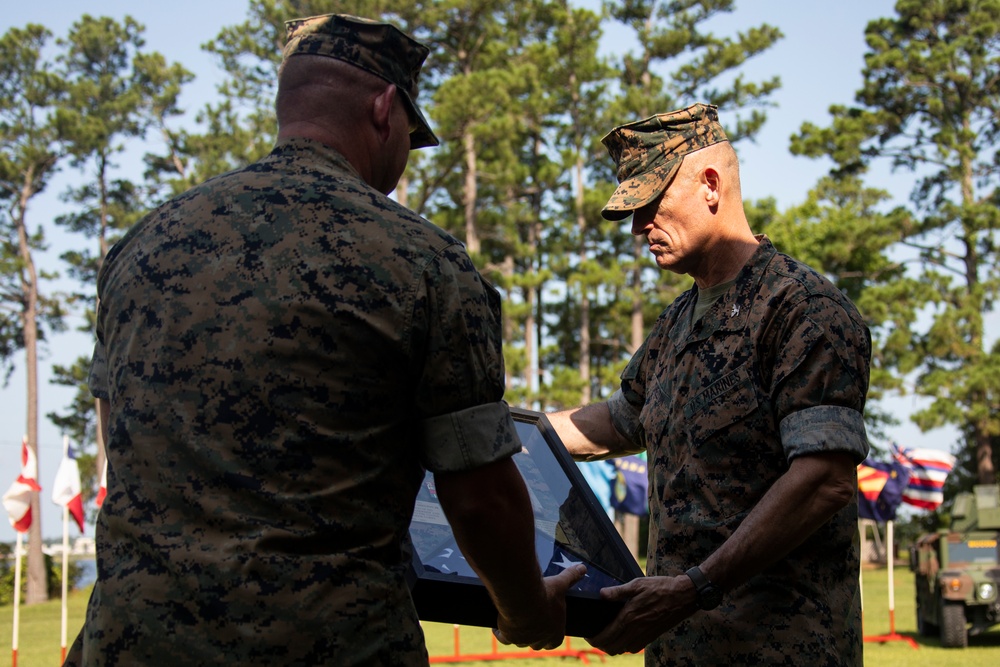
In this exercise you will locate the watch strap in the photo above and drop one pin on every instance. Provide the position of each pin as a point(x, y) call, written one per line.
point(698, 578)
point(708, 595)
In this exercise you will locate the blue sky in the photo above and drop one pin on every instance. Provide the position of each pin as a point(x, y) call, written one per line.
point(819, 62)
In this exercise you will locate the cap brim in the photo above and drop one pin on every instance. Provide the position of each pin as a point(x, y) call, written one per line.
point(423, 136)
point(640, 190)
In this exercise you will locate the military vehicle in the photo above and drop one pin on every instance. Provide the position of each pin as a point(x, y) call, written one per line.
point(957, 571)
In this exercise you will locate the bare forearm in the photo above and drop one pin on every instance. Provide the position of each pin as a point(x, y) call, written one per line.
point(490, 514)
point(589, 434)
point(803, 499)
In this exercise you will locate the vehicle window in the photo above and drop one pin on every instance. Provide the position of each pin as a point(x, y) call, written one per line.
point(974, 551)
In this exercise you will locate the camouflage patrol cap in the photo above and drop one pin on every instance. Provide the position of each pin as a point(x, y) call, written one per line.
point(379, 48)
point(649, 152)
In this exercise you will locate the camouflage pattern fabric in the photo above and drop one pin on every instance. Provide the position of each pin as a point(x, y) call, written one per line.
point(284, 349)
point(379, 48)
point(777, 368)
point(649, 152)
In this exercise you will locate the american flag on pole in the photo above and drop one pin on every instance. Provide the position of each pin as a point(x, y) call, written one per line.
point(929, 469)
point(17, 500)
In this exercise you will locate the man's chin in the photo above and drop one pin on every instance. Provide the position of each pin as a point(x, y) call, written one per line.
point(665, 263)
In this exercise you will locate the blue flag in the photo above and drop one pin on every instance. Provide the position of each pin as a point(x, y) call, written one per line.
point(880, 489)
point(631, 490)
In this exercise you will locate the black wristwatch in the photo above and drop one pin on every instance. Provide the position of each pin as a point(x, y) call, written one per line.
point(709, 596)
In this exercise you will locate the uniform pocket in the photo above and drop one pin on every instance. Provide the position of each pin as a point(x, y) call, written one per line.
point(728, 400)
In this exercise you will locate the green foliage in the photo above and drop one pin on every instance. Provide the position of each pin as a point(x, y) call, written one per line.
point(239, 126)
point(29, 154)
point(519, 97)
point(671, 32)
point(53, 569)
point(111, 95)
point(115, 94)
point(931, 270)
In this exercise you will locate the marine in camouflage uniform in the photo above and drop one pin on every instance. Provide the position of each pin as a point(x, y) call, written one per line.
point(283, 350)
point(725, 397)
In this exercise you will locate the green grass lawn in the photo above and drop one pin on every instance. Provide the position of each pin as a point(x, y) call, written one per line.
point(40, 626)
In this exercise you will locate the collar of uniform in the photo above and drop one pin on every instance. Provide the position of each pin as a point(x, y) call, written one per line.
point(731, 311)
point(321, 154)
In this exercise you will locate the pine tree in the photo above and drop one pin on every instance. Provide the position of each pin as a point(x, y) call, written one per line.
point(29, 155)
point(928, 105)
point(115, 94)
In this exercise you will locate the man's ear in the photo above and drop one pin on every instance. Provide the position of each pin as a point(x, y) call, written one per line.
point(382, 112)
point(713, 184)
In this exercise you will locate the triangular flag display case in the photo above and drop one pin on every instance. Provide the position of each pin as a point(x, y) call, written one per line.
point(570, 527)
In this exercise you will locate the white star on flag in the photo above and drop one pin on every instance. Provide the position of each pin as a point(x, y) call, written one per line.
point(566, 562)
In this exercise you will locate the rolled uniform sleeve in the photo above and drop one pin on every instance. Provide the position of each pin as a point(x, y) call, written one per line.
point(824, 429)
point(464, 421)
point(455, 440)
point(821, 376)
point(625, 405)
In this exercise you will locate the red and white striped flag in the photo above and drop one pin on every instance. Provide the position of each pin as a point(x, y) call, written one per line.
point(929, 469)
point(66, 490)
point(17, 500)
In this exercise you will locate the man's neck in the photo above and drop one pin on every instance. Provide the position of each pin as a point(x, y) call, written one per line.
point(726, 261)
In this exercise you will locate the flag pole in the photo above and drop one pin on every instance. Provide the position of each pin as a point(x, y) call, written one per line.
point(17, 597)
point(893, 636)
point(65, 562)
point(891, 561)
point(65, 571)
point(861, 569)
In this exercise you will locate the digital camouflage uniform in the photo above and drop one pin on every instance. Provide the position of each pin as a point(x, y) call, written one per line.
point(777, 368)
point(284, 349)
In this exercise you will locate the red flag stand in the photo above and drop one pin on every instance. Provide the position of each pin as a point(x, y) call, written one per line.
point(893, 636)
point(564, 651)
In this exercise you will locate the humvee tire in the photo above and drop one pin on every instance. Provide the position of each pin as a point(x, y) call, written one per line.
point(953, 626)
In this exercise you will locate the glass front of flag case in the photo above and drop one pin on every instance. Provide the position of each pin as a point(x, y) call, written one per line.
point(570, 527)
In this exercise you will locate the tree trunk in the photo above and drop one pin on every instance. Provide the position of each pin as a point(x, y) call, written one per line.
point(37, 589)
point(530, 323)
point(985, 472)
point(507, 322)
point(628, 527)
point(470, 193)
point(581, 226)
